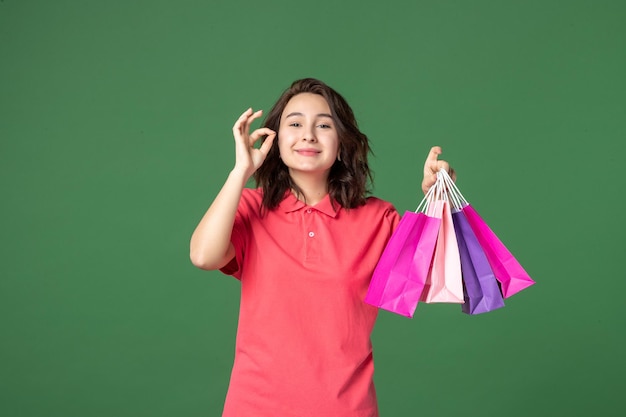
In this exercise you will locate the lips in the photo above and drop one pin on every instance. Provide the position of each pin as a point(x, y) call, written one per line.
point(308, 152)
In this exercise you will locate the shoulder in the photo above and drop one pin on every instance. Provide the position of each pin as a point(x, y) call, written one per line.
point(375, 207)
point(377, 204)
point(382, 209)
point(376, 215)
point(252, 194)
point(250, 201)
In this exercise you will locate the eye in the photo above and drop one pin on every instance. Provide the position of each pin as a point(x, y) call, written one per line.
point(325, 126)
point(295, 124)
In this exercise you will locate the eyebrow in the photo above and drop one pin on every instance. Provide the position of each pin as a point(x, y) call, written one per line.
point(295, 113)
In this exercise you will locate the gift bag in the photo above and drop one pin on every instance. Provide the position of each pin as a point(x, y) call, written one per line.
point(444, 281)
point(507, 270)
point(513, 278)
point(399, 277)
point(481, 289)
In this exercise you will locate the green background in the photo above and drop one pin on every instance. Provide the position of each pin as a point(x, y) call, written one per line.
point(115, 135)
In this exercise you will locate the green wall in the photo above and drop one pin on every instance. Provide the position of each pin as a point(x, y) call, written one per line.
point(115, 135)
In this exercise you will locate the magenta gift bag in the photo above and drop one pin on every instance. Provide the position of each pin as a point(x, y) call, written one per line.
point(398, 279)
point(480, 287)
point(513, 278)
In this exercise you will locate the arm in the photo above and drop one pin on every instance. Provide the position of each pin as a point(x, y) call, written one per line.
point(210, 246)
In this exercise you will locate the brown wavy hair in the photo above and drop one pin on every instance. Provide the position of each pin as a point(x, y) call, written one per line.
point(349, 178)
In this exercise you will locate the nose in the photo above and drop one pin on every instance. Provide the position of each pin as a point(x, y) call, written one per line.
point(309, 136)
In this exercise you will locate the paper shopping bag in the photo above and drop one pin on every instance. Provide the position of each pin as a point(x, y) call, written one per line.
point(399, 277)
point(481, 290)
point(513, 278)
point(444, 281)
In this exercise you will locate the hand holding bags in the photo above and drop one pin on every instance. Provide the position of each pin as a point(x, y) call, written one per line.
point(445, 252)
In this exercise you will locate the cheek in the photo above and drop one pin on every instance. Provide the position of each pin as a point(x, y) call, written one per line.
point(282, 143)
point(334, 140)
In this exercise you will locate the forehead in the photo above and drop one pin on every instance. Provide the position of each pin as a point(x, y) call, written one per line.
point(307, 103)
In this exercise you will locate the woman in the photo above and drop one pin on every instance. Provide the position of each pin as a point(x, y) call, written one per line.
point(304, 245)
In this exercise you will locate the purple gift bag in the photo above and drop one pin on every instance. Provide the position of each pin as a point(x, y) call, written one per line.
point(399, 277)
point(513, 278)
point(480, 287)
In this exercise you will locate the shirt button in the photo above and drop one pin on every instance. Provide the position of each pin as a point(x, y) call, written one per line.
point(311, 234)
point(309, 211)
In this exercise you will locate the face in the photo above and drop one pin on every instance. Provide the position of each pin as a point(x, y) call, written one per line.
point(307, 137)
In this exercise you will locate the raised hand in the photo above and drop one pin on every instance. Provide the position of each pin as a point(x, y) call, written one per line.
point(432, 166)
point(248, 158)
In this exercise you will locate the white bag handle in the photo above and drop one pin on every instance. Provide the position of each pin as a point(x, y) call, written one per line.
point(438, 192)
point(428, 198)
point(458, 201)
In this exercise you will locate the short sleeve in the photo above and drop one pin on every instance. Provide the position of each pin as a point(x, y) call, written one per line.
point(393, 217)
point(231, 268)
point(249, 206)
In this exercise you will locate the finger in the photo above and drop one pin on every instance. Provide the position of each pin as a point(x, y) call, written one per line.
point(442, 165)
point(257, 134)
point(263, 131)
point(267, 143)
point(430, 166)
point(237, 127)
point(244, 116)
point(251, 118)
point(428, 182)
point(434, 153)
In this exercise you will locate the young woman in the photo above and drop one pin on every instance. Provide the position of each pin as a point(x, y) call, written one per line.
point(304, 245)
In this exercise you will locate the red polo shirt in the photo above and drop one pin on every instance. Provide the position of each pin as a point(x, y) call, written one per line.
point(303, 342)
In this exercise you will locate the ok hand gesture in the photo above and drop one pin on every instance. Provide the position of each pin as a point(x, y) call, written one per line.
point(248, 158)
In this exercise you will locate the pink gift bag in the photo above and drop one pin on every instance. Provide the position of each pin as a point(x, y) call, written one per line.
point(513, 278)
point(444, 281)
point(399, 277)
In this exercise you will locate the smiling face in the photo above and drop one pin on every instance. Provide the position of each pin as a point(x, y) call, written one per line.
point(307, 137)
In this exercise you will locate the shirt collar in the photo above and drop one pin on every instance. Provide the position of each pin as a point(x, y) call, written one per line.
point(291, 203)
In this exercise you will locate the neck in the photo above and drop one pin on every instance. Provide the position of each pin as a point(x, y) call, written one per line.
point(314, 187)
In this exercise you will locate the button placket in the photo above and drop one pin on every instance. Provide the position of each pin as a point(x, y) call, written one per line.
point(311, 243)
point(309, 220)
